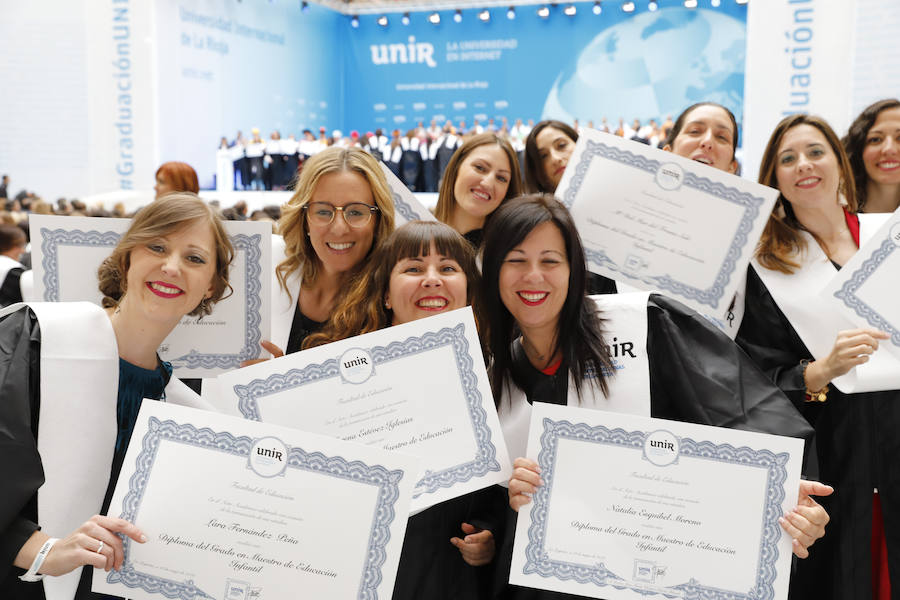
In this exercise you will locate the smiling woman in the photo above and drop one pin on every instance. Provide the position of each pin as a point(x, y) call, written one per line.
point(173, 260)
point(632, 353)
point(812, 232)
point(340, 212)
point(873, 147)
point(482, 173)
point(547, 150)
point(706, 132)
point(422, 269)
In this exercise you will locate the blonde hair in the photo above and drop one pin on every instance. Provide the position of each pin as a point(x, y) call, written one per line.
point(292, 225)
point(170, 213)
point(781, 242)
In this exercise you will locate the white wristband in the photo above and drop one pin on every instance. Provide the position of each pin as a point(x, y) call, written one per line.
point(31, 574)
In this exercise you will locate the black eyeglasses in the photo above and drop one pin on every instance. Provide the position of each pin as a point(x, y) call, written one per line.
point(356, 214)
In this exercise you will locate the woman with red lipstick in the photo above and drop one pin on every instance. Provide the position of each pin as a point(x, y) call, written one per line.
point(341, 210)
point(547, 150)
point(482, 174)
point(795, 337)
point(551, 343)
point(873, 147)
point(421, 269)
point(59, 364)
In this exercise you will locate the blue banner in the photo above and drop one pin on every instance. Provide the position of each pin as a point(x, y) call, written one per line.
point(644, 64)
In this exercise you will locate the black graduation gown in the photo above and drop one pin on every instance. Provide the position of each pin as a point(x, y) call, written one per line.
point(10, 290)
point(697, 375)
point(431, 568)
point(856, 443)
point(20, 468)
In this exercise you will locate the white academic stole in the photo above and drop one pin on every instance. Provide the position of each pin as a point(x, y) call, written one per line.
point(625, 330)
point(817, 321)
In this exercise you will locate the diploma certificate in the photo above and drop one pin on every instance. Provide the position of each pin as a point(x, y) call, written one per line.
point(237, 510)
point(633, 506)
point(419, 388)
point(67, 251)
point(865, 289)
point(406, 206)
point(661, 222)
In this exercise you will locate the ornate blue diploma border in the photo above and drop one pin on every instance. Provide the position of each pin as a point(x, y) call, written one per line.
point(219, 441)
point(485, 459)
point(403, 209)
point(53, 239)
point(751, 204)
point(847, 293)
point(537, 560)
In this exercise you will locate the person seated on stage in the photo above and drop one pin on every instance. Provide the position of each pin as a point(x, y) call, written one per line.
point(341, 210)
point(422, 269)
point(811, 233)
point(482, 174)
point(547, 150)
point(12, 247)
point(172, 261)
point(873, 147)
point(549, 342)
point(175, 177)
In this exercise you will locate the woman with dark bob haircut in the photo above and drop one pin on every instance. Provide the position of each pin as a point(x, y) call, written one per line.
point(806, 346)
point(425, 268)
point(873, 147)
point(367, 304)
point(552, 343)
point(72, 379)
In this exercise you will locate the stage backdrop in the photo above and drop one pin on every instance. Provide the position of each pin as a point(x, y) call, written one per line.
point(643, 64)
point(224, 66)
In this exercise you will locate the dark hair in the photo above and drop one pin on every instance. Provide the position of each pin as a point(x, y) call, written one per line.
point(679, 124)
point(362, 308)
point(855, 142)
point(579, 335)
point(181, 176)
point(10, 237)
point(781, 241)
point(535, 178)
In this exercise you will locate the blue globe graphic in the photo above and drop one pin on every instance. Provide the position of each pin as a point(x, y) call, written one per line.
point(652, 65)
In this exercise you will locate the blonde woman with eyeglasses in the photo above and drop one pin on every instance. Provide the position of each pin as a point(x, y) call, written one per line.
point(341, 210)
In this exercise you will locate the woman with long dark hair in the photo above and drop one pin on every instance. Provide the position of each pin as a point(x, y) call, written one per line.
point(873, 147)
point(551, 343)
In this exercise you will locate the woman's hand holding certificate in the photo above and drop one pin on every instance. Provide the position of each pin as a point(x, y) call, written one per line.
point(419, 388)
point(625, 506)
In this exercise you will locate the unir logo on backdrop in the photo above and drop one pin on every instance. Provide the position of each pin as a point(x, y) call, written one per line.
point(412, 52)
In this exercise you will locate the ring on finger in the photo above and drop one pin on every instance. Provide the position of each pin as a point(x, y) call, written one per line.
point(100, 549)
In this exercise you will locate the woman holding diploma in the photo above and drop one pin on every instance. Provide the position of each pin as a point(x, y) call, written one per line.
point(482, 173)
point(873, 147)
point(424, 268)
point(341, 210)
point(66, 424)
point(551, 343)
point(812, 232)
